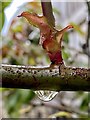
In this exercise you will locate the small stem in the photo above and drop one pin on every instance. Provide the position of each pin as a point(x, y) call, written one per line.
point(47, 12)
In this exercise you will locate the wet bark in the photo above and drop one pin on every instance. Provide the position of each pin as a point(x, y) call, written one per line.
point(60, 78)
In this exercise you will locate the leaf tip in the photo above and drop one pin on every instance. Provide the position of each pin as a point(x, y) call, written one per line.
point(70, 26)
point(23, 14)
point(19, 15)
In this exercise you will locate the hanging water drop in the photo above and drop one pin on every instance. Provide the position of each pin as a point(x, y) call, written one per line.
point(46, 95)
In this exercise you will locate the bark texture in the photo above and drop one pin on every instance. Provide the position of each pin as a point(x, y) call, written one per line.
point(60, 78)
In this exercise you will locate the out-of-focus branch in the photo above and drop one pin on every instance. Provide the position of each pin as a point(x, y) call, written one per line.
point(88, 31)
point(85, 46)
point(59, 107)
point(47, 12)
point(46, 78)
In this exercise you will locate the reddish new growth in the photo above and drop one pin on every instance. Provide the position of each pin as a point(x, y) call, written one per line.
point(50, 38)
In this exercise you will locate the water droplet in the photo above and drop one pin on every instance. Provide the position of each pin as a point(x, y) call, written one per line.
point(46, 95)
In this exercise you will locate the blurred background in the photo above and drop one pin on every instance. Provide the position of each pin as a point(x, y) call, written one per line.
point(19, 45)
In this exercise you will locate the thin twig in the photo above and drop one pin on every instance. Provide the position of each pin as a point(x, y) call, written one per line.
point(47, 12)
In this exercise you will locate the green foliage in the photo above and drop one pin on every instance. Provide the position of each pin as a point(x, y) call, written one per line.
point(56, 11)
point(66, 55)
point(65, 38)
point(85, 102)
point(15, 100)
point(84, 105)
point(77, 28)
point(3, 5)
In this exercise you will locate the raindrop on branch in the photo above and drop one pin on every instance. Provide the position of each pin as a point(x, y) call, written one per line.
point(46, 95)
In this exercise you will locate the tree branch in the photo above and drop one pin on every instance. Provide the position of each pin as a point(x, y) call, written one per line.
point(46, 78)
point(47, 12)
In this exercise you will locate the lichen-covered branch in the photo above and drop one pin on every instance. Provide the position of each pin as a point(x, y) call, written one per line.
point(58, 79)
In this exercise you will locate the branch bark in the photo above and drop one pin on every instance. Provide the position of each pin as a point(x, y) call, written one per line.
point(46, 78)
point(47, 12)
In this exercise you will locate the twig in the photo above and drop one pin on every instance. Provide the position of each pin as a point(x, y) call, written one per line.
point(47, 12)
